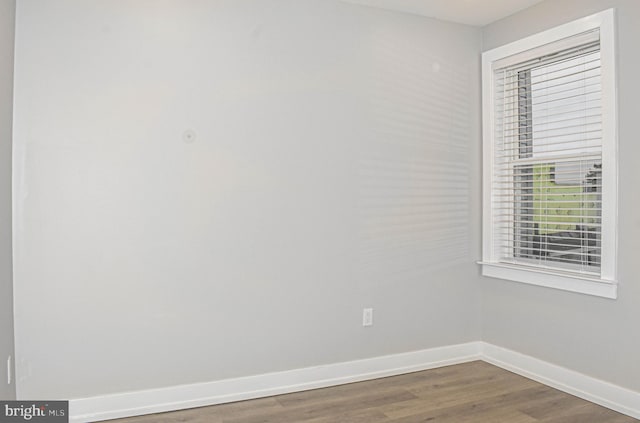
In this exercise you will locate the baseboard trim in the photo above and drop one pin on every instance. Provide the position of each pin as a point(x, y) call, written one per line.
point(586, 387)
point(210, 393)
point(229, 390)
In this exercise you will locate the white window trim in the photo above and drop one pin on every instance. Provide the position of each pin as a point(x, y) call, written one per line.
point(606, 285)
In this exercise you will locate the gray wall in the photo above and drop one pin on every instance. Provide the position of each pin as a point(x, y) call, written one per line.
point(7, 20)
point(334, 159)
point(591, 335)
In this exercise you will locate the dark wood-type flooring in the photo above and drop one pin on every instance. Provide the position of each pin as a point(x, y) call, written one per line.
point(474, 392)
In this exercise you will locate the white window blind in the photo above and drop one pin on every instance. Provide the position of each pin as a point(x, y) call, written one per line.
point(547, 164)
point(550, 148)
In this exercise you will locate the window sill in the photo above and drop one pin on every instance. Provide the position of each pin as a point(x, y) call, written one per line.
point(558, 280)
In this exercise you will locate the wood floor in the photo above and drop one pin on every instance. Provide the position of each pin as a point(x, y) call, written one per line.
point(474, 392)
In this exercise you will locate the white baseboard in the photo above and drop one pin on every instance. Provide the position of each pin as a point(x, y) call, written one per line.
point(209, 393)
point(586, 387)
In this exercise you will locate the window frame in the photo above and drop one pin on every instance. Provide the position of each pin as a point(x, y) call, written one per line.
point(606, 284)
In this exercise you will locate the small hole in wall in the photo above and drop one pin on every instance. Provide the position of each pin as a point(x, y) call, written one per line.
point(189, 136)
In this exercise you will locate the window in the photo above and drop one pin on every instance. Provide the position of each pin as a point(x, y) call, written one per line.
point(550, 165)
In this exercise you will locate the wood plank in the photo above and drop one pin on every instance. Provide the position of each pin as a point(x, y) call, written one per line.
point(590, 413)
point(334, 407)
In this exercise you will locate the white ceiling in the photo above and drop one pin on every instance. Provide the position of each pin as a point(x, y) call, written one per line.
point(470, 12)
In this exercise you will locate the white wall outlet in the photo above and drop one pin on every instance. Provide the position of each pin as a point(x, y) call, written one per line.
point(367, 317)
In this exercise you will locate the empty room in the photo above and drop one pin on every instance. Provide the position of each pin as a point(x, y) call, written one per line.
point(319, 211)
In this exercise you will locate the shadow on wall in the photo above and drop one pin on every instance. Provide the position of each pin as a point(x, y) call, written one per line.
point(413, 175)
